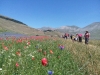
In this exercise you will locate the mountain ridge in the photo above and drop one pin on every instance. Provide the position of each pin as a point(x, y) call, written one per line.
point(10, 19)
point(93, 28)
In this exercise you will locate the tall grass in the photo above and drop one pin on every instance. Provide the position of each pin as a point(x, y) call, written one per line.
point(95, 42)
point(87, 56)
point(23, 57)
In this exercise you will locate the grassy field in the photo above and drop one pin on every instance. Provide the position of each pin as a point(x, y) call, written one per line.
point(23, 57)
point(95, 42)
point(87, 56)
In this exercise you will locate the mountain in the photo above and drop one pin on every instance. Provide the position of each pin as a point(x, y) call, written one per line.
point(11, 25)
point(69, 29)
point(51, 31)
point(46, 28)
point(93, 28)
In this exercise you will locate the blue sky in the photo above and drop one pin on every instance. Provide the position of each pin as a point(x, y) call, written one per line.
point(52, 13)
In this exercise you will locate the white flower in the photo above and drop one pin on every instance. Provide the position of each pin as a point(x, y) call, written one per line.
point(32, 56)
point(13, 54)
point(0, 69)
point(34, 52)
point(2, 52)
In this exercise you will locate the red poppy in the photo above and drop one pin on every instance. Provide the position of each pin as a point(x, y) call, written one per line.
point(5, 47)
point(28, 43)
point(17, 65)
point(44, 62)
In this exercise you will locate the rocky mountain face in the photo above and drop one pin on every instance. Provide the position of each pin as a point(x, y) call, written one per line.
point(69, 29)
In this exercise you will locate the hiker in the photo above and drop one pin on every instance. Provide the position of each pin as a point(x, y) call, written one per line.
point(80, 37)
point(86, 35)
point(71, 36)
point(76, 37)
point(66, 35)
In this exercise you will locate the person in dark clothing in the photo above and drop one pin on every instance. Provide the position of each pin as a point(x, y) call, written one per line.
point(86, 35)
point(66, 35)
point(71, 36)
point(80, 37)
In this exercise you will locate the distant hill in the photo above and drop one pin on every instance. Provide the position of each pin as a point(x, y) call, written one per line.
point(10, 19)
point(93, 28)
point(51, 31)
point(69, 29)
point(11, 25)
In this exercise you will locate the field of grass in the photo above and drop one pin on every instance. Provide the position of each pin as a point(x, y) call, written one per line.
point(95, 42)
point(87, 56)
point(23, 57)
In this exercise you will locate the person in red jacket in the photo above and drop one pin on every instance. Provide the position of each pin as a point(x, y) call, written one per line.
point(86, 36)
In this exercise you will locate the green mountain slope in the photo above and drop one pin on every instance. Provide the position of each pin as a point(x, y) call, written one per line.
point(12, 25)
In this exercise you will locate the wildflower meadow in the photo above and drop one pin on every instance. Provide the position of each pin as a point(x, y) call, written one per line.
point(41, 55)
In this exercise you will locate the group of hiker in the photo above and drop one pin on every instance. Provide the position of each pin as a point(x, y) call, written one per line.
point(78, 37)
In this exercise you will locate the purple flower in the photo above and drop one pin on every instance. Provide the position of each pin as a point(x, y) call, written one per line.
point(61, 47)
point(50, 72)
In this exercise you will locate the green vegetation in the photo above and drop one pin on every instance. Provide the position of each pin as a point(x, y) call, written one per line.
point(2, 30)
point(87, 56)
point(95, 42)
point(23, 57)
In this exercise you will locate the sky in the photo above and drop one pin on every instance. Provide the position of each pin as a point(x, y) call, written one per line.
point(52, 13)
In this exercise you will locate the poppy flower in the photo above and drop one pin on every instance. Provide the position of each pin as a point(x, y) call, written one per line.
point(33, 58)
point(44, 62)
point(17, 65)
point(5, 47)
point(28, 43)
point(18, 53)
point(51, 51)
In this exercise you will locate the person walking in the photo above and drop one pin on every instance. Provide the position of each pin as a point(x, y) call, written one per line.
point(86, 36)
